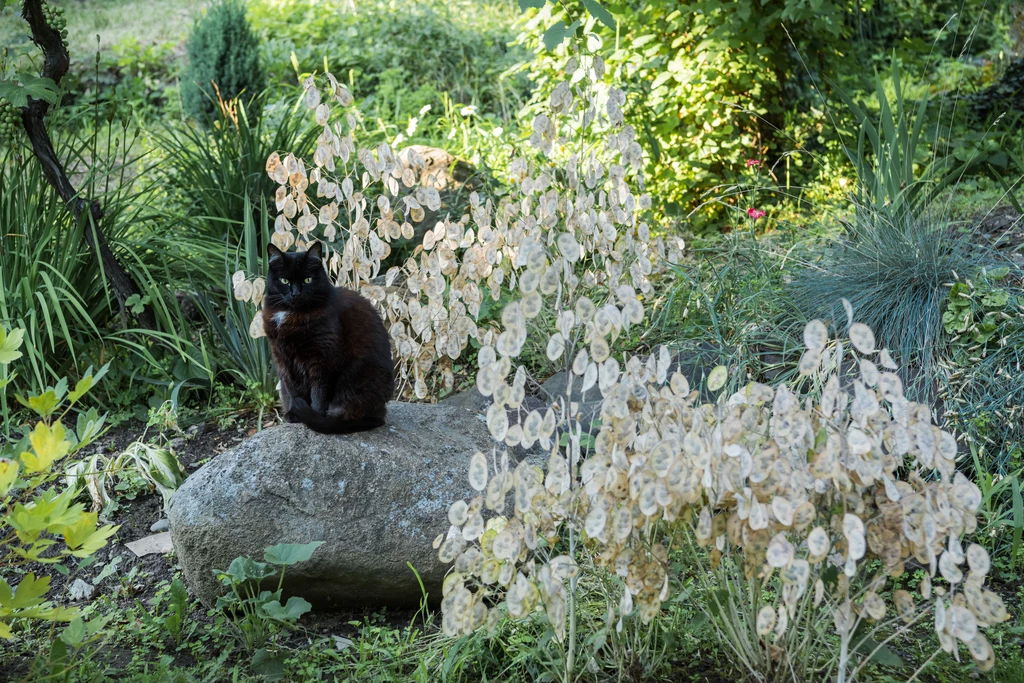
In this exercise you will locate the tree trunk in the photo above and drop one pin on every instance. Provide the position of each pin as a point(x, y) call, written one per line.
point(86, 213)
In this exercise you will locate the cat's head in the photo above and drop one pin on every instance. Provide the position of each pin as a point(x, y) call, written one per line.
point(297, 280)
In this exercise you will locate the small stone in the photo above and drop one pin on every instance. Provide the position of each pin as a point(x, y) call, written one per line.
point(81, 590)
point(177, 444)
point(160, 525)
point(150, 545)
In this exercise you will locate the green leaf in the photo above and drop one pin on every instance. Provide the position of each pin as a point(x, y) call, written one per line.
point(136, 303)
point(10, 342)
point(243, 569)
point(599, 13)
point(28, 86)
point(290, 553)
point(879, 654)
point(271, 667)
point(290, 612)
point(557, 33)
point(527, 4)
point(74, 634)
point(30, 591)
point(717, 378)
point(997, 298)
point(83, 385)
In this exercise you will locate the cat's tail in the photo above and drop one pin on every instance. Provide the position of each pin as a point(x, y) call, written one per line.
point(325, 424)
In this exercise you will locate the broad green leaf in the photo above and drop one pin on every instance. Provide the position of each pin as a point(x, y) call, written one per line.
point(290, 553)
point(74, 633)
point(83, 538)
point(296, 607)
point(599, 13)
point(28, 86)
point(5, 631)
point(270, 666)
point(557, 33)
point(527, 4)
point(90, 424)
point(83, 385)
point(879, 654)
point(290, 612)
point(244, 569)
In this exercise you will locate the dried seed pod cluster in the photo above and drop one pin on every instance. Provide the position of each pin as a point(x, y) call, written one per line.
point(579, 208)
point(803, 492)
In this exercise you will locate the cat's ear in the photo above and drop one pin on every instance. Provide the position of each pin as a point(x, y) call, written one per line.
point(273, 253)
point(315, 251)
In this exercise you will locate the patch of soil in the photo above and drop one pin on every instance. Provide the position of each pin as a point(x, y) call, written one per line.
point(1003, 229)
point(140, 577)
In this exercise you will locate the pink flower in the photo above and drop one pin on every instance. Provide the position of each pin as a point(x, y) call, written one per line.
point(755, 213)
point(753, 162)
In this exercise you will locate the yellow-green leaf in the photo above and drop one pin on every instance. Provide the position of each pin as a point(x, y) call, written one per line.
point(48, 446)
point(8, 475)
point(9, 344)
point(716, 380)
point(83, 385)
point(84, 541)
point(30, 591)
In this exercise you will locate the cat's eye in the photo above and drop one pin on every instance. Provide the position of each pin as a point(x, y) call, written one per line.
point(284, 281)
point(308, 280)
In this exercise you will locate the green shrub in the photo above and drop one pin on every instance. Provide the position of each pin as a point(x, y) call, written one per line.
point(223, 61)
point(712, 84)
point(400, 57)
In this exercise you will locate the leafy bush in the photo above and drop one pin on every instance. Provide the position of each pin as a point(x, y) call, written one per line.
point(398, 59)
point(50, 283)
point(897, 173)
point(34, 512)
point(223, 61)
point(256, 615)
point(709, 85)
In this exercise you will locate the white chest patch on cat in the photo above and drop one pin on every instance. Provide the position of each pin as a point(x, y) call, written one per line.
point(280, 317)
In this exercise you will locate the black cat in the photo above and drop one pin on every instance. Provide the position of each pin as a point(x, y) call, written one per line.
point(330, 347)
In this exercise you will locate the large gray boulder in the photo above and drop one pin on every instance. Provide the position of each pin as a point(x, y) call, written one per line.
point(377, 499)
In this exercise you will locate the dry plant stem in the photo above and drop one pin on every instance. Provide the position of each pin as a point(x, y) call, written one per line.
point(925, 664)
point(55, 66)
point(886, 624)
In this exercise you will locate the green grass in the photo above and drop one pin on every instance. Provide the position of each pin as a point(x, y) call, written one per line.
point(114, 21)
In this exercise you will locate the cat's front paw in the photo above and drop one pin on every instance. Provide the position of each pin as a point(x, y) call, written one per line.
point(296, 410)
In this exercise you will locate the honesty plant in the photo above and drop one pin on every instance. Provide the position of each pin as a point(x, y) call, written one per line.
point(432, 302)
point(825, 501)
